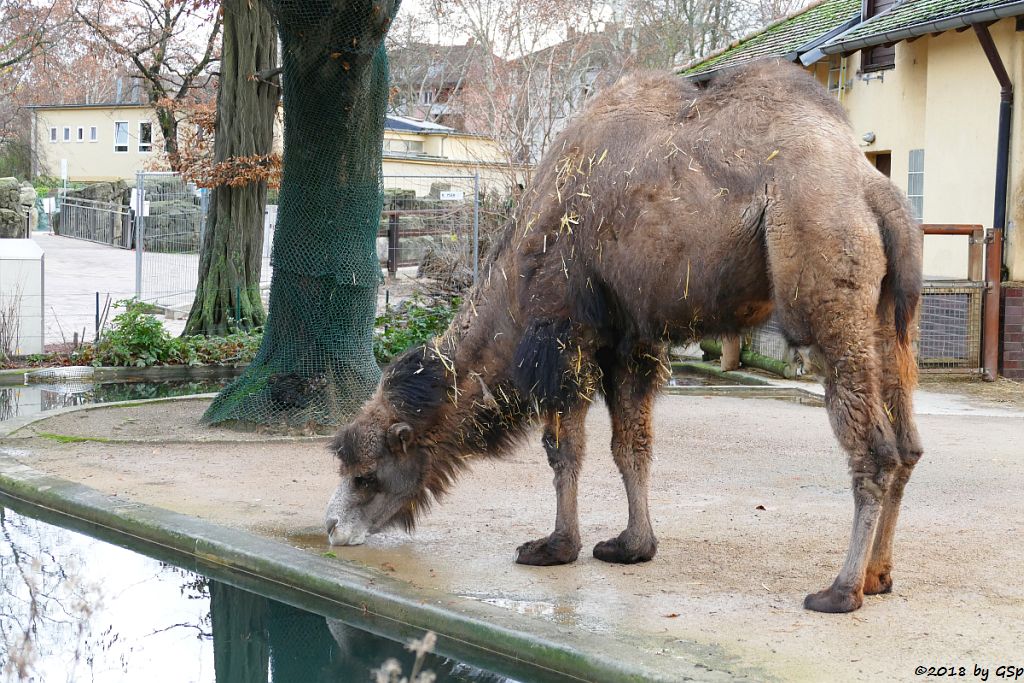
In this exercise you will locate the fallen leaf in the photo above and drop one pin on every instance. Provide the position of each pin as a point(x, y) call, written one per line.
point(671, 616)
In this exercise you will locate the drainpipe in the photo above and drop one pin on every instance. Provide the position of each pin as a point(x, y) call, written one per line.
point(994, 245)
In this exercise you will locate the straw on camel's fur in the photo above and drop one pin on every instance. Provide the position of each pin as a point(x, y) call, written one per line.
point(666, 212)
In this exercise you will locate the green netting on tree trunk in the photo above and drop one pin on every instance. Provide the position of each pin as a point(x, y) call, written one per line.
point(316, 364)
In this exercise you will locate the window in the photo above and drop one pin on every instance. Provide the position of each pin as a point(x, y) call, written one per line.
point(53, 134)
point(403, 146)
point(915, 183)
point(67, 134)
point(81, 134)
point(145, 136)
point(94, 134)
point(120, 136)
point(426, 96)
point(879, 57)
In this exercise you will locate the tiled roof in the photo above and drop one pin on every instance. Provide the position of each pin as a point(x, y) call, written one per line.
point(788, 37)
point(904, 16)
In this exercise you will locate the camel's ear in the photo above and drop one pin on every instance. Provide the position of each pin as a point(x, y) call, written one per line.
point(399, 436)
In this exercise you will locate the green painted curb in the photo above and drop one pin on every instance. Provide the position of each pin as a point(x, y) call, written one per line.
point(471, 631)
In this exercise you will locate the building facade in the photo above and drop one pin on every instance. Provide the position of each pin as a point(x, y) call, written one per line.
point(112, 142)
point(96, 142)
point(933, 89)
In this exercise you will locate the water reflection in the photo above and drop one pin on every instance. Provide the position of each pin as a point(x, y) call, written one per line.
point(30, 399)
point(73, 608)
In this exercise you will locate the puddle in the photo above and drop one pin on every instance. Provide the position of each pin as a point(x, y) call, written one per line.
point(561, 612)
point(690, 378)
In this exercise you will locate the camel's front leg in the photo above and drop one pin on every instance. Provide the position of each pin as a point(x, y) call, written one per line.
point(565, 444)
point(630, 393)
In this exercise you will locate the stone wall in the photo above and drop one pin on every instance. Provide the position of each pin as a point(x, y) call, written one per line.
point(1011, 354)
point(17, 201)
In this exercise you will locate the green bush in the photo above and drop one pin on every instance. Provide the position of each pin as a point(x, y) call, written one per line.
point(138, 339)
point(412, 322)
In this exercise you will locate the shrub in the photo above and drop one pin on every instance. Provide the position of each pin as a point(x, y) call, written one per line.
point(412, 322)
point(138, 339)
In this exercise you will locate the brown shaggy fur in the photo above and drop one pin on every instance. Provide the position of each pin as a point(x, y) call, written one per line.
point(667, 212)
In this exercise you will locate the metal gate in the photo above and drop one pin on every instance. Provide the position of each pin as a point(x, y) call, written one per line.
point(96, 221)
point(425, 214)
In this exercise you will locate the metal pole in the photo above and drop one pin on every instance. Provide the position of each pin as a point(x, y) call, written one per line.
point(140, 188)
point(476, 226)
point(393, 243)
point(97, 316)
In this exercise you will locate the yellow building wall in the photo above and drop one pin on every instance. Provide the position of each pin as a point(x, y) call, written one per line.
point(942, 97)
point(419, 174)
point(449, 154)
point(93, 161)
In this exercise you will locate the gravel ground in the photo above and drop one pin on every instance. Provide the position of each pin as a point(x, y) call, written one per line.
point(727, 584)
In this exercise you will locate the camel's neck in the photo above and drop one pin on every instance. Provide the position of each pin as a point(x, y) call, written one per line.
point(482, 412)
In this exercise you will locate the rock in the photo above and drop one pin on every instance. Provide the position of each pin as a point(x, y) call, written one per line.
point(12, 224)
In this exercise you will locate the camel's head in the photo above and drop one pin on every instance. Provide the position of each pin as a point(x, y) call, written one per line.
point(387, 474)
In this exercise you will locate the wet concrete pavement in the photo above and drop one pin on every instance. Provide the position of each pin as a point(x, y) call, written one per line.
point(750, 500)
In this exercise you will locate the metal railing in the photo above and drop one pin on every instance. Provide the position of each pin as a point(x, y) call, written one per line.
point(96, 221)
point(170, 218)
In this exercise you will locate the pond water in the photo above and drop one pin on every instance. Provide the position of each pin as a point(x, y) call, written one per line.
point(22, 400)
point(73, 608)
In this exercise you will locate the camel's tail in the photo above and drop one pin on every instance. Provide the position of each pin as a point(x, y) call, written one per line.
point(903, 239)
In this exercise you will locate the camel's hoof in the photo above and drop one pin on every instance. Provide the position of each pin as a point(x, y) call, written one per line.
point(877, 584)
point(548, 551)
point(833, 600)
point(615, 550)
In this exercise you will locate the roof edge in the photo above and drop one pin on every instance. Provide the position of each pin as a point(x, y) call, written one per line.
point(964, 20)
point(98, 105)
point(739, 41)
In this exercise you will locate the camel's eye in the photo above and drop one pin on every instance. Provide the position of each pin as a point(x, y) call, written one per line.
point(364, 481)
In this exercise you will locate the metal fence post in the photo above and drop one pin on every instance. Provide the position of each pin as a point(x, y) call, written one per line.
point(476, 226)
point(140, 189)
point(204, 207)
point(393, 243)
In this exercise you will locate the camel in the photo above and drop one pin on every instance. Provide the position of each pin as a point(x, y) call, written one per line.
point(665, 212)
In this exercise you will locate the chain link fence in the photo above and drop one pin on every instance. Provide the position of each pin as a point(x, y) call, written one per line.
point(170, 218)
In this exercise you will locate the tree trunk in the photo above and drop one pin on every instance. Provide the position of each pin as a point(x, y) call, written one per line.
point(241, 648)
point(228, 295)
point(315, 365)
point(169, 131)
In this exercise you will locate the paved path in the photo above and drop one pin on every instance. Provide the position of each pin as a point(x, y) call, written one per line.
point(75, 270)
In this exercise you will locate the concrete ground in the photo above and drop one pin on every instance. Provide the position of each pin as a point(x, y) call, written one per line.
point(750, 500)
point(75, 270)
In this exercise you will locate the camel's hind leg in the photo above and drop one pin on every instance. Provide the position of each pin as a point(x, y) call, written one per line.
point(898, 369)
point(565, 443)
point(630, 387)
point(853, 399)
